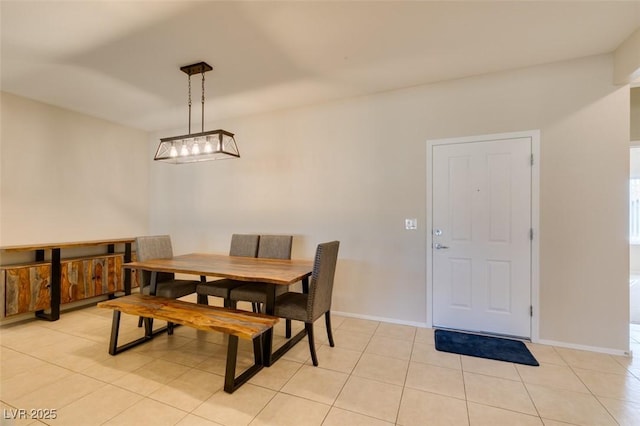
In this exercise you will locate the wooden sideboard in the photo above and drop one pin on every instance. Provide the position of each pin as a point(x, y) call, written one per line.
point(51, 280)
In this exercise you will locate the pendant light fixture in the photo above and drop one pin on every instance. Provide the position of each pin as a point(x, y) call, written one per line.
point(193, 147)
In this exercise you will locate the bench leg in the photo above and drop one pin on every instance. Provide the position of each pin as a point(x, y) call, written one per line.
point(149, 333)
point(232, 358)
point(257, 351)
point(115, 328)
point(148, 326)
point(231, 382)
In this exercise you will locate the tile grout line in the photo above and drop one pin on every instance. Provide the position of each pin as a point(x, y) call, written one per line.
point(526, 388)
point(349, 377)
point(352, 375)
point(302, 364)
point(406, 375)
point(466, 397)
point(571, 367)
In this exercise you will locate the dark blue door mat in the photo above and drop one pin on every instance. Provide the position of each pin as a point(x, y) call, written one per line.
point(484, 347)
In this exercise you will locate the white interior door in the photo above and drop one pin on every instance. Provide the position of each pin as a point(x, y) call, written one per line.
point(481, 255)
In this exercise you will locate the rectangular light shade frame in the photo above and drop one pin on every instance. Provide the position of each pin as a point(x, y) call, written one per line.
point(195, 147)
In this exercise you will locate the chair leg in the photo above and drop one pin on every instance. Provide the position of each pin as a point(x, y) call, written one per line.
point(140, 319)
point(327, 320)
point(169, 328)
point(203, 299)
point(287, 331)
point(255, 307)
point(312, 345)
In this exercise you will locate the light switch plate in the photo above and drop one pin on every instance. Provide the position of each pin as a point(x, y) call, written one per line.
point(411, 223)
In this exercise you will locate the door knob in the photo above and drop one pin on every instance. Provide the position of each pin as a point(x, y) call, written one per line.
point(439, 246)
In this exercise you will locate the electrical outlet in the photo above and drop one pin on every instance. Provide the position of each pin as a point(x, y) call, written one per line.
point(411, 223)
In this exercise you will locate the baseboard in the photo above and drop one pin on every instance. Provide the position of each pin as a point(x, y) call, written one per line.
point(381, 319)
point(608, 351)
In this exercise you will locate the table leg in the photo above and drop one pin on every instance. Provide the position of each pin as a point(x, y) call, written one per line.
point(305, 290)
point(271, 356)
point(268, 335)
point(153, 287)
point(153, 284)
point(127, 271)
point(203, 299)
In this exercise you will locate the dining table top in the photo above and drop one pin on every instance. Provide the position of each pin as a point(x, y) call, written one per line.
point(274, 271)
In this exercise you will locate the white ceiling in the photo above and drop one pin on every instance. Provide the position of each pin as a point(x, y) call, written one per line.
point(119, 60)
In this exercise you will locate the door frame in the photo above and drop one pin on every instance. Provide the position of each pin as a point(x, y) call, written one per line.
point(534, 135)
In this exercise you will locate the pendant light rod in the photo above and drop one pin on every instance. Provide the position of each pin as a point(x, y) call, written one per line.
point(197, 68)
point(189, 79)
point(202, 119)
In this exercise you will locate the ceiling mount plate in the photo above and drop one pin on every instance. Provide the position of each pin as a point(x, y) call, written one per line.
point(199, 68)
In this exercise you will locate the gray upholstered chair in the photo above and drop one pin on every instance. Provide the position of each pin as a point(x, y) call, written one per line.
point(159, 247)
point(245, 245)
point(270, 247)
point(312, 305)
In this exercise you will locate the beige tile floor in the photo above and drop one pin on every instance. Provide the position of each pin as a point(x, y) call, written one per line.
point(377, 374)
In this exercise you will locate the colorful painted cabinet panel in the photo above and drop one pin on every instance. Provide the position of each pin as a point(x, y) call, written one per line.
point(90, 277)
point(27, 288)
point(2, 293)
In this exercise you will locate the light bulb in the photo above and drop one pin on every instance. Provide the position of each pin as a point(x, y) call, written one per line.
point(173, 152)
point(184, 151)
point(208, 149)
point(195, 149)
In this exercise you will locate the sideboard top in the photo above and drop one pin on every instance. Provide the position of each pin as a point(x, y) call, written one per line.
point(70, 244)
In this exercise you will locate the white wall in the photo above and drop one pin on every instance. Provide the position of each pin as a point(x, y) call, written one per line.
point(634, 249)
point(634, 255)
point(626, 60)
point(65, 176)
point(635, 114)
point(354, 170)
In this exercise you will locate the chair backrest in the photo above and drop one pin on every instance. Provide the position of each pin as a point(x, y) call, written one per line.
point(245, 245)
point(154, 247)
point(275, 246)
point(321, 283)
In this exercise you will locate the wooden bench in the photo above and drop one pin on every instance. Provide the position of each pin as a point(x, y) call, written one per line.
point(237, 324)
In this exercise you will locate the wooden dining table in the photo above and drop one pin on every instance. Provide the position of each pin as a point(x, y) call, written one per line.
point(270, 272)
